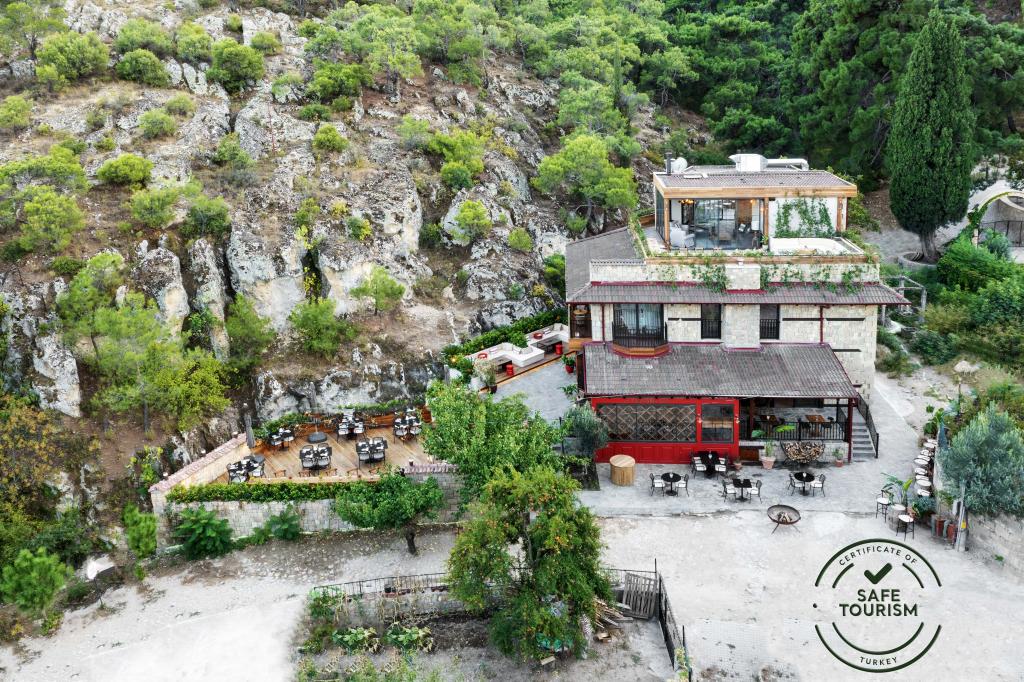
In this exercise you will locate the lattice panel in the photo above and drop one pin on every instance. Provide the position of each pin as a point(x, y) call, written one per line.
point(681, 423)
point(620, 420)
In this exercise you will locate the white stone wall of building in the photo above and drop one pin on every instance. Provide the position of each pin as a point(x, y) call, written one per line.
point(683, 322)
point(741, 326)
point(851, 330)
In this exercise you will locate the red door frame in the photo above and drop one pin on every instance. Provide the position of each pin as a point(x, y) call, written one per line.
point(671, 453)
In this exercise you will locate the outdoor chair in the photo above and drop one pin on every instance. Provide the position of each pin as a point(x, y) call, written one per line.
point(907, 522)
point(257, 470)
point(720, 465)
point(728, 489)
point(818, 485)
point(685, 483)
point(794, 484)
point(755, 489)
point(882, 505)
point(656, 483)
point(698, 465)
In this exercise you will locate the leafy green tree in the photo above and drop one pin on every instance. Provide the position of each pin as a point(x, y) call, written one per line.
point(480, 435)
point(265, 42)
point(554, 272)
point(15, 113)
point(587, 428)
point(206, 216)
point(154, 208)
point(72, 56)
point(189, 387)
point(92, 289)
point(581, 169)
point(127, 169)
point(987, 458)
point(193, 43)
point(234, 65)
point(529, 540)
point(142, 66)
point(395, 502)
point(930, 150)
point(519, 239)
point(250, 335)
point(668, 72)
point(385, 291)
point(140, 34)
point(24, 24)
point(382, 36)
point(320, 330)
point(287, 86)
point(457, 175)
point(31, 583)
point(203, 535)
point(49, 220)
point(328, 139)
point(462, 146)
point(472, 221)
point(157, 123)
point(140, 531)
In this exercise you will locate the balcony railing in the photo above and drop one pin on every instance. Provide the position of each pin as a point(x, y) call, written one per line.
point(801, 431)
point(770, 329)
point(643, 337)
point(710, 329)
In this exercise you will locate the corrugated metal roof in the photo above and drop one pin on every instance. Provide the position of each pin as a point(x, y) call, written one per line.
point(777, 370)
point(578, 254)
point(728, 176)
point(666, 292)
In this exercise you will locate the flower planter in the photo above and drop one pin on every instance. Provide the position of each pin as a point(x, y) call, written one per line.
point(493, 389)
point(569, 369)
point(767, 462)
point(839, 463)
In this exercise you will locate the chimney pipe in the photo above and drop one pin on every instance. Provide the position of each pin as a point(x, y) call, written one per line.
point(668, 165)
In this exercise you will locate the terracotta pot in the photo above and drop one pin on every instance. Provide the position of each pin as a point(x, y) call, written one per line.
point(768, 462)
point(839, 463)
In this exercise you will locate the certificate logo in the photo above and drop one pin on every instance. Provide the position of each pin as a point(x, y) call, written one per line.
point(874, 600)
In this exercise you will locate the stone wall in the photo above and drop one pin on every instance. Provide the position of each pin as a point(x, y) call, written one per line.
point(315, 516)
point(1001, 536)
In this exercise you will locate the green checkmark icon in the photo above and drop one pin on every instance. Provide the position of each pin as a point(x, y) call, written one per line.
point(875, 578)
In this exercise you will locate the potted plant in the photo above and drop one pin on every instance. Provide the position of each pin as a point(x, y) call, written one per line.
point(768, 457)
point(837, 455)
point(487, 375)
point(922, 507)
point(570, 363)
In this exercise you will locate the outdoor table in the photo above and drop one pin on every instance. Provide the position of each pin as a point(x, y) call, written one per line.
point(743, 488)
point(804, 477)
point(623, 468)
point(671, 479)
point(815, 418)
point(709, 460)
point(316, 437)
point(783, 515)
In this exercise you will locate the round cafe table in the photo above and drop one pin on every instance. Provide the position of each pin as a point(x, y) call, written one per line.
point(671, 478)
point(804, 477)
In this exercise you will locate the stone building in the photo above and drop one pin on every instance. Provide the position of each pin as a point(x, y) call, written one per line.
point(737, 308)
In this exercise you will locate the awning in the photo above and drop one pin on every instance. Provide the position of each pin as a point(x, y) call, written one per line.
point(776, 370)
point(871, 293)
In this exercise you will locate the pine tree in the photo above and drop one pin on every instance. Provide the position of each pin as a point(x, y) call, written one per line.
point(930, 148)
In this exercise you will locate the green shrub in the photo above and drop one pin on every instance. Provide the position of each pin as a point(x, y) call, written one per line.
point(934, 348)
point(235, 160)
point(154, 208)
point(456, 175)
point(233, 23)
point(286, 525)
point(999, 343)
point(95, 119)
point(332, 80)
point(127, 169)
point(971, 267)
point(67, 57)
point(328, 139)
point(32, 581)
point(157, 123)
point(142, 66)
point(519, 239)
point(430, 236)
point(48, 220)
point(140, 532)
point(234, 65)
point(1000, 301)
point(342, 103)
point(206, 216)
point(139, 34)
point(886, 338)
point(194, 43)
point(309, 211)
point(473, 221)
point(315, 112)
point(414, 132)
point(997, 244)
point(202, 534)
point(265, 42)
point(493, 337)
point(359, 228)
point(106, 144)
point(554, 272)
point(15, 113)
point(250, 335)
point(180, 105)
point(66, 265)
point(947, 318)
point(896, 364)
point(319, 329)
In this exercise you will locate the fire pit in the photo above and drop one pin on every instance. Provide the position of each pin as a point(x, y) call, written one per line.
point(783, 515)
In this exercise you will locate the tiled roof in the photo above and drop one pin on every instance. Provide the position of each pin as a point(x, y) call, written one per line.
point(871, 293)
point(728, 176)
point(578, 254)
point(777, 370)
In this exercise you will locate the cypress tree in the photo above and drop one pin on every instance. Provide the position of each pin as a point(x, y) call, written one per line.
point(930, 148)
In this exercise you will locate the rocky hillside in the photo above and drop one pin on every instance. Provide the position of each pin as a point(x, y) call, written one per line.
point(452, 289)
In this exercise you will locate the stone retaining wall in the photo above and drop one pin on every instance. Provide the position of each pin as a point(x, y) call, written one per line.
point(315, 516)
point(998, 536)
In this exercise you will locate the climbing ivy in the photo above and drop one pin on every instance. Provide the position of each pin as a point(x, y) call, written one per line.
point(711, 275)
point(814, 219)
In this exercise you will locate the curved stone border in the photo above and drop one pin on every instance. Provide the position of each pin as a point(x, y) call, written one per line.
point(906, 260)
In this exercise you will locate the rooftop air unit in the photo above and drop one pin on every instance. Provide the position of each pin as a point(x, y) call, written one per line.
point(795, 164)
point(679, 165)
point(748, 163)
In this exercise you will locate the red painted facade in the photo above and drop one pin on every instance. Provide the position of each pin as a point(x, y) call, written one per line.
point(669, 452)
